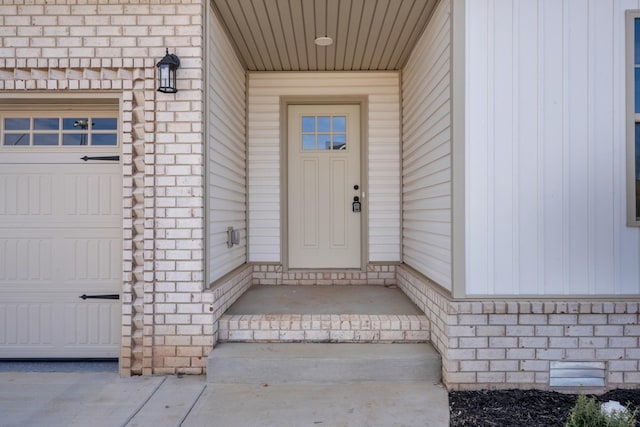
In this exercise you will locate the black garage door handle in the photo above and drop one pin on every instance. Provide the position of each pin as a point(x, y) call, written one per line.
point(106, 296)
point(112, 158)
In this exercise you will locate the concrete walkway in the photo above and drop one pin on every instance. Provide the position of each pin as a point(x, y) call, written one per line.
point(97, 399)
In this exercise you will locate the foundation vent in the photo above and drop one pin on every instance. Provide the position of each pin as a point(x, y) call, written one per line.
point(576, 374)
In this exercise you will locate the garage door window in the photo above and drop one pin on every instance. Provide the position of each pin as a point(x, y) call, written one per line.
point(20, 131)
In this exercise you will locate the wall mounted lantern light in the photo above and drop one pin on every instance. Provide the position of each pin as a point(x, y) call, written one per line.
point(167, 73)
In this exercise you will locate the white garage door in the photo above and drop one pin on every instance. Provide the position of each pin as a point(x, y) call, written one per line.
point(60, 235)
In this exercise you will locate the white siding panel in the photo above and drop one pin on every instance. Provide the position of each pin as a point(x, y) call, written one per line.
point(545, 148)
point(527, 252)
point(551, 183)
point(226, 153)
point(503, 148)
point(426, 155)
point(477, 155)
point(602, 159)
point(382, 90)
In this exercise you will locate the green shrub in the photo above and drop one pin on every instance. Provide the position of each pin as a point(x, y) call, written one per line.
point(587, 413)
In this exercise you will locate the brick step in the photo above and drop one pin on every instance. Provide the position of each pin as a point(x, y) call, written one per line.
point(277, 363)
point(348, 328)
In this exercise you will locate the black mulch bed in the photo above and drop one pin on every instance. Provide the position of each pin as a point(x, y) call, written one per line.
point(530, 408)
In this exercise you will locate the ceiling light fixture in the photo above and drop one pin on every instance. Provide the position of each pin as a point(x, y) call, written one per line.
point(323, 41)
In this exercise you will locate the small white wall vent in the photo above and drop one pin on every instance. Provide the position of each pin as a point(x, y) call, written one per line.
point(577, 374)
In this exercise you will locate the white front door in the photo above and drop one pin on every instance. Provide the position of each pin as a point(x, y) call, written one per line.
point(323, 182)
point(60, 237)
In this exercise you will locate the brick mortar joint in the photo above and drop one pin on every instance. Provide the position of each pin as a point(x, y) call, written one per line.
point(528, 306)
point(74, 68)
point(542, 307)
point(73, 73)
point(71, 68)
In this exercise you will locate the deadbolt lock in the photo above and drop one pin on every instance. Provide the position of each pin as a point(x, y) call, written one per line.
point(356, 206)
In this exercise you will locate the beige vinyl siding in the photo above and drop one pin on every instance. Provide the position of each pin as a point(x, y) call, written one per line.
point(383, 123)
point(545, 143)
point(226, 156)
point(426, 155)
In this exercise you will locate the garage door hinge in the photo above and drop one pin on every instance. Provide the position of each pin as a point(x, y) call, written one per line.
point(111, 158)
point(106, 296)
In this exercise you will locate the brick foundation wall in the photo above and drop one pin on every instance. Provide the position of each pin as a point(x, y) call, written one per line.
point(273, 274)
point(511, 344)
point(356, 328)
point(226, 291)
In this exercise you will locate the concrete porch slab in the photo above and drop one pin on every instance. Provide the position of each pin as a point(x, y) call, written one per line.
point(351, 299)
point(352, 314)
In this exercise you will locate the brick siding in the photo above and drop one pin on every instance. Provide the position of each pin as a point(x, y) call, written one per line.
point(511, 343)
point(112, 47)
point(375, 274)
point(356, 328)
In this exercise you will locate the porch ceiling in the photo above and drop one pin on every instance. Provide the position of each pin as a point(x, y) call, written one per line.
point(278, 35)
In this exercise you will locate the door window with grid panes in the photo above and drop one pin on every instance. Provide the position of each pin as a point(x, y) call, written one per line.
point(320, 133)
